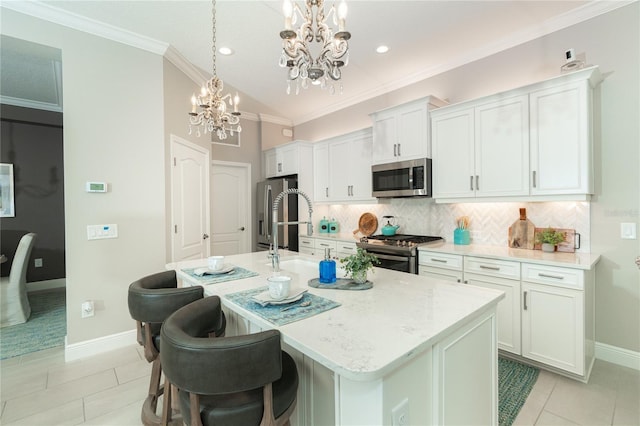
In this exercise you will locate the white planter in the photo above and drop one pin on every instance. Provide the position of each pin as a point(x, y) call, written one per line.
point(548, 248)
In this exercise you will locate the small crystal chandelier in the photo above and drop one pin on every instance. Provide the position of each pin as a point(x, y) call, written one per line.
point(324, 69)
point(213, 115)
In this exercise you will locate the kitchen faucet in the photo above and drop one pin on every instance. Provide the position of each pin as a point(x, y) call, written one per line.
point(273, 252)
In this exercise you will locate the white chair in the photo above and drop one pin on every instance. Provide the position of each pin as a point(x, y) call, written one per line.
point(14, 303)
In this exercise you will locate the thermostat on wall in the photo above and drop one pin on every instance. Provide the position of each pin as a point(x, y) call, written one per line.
point(96, 187)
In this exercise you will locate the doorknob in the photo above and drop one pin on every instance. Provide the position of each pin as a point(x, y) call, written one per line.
point(205, 236)
point(241, 229)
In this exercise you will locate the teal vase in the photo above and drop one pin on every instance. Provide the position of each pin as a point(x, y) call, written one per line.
point(461, 236)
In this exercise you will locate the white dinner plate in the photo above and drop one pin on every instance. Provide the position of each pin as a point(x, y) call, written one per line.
point(206, 271)
point(265, 299)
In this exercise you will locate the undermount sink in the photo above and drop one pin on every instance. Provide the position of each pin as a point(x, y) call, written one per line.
point(297, 265)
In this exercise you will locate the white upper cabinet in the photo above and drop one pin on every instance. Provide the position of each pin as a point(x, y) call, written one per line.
point(343, 168)
point(561, 159)
point(284, 160)
point(531, 143)
point(402, 132)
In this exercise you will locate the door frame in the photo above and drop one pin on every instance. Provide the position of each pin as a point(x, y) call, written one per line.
point(246, 167)
point(174, 139)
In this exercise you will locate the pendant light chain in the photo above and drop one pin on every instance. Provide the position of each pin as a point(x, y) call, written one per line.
point(213, 38)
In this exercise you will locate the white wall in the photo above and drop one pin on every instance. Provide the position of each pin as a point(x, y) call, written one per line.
point(610, 41)
point(113, 132)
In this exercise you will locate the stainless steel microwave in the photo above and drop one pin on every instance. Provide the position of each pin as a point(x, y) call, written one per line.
point(411, 178)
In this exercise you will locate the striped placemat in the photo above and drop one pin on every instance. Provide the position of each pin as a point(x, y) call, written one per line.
point(236, 274)
point(274, 313)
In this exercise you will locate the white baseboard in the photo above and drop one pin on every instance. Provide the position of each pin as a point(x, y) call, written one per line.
point(46, 285)
point(99, 345)
point(616, 355)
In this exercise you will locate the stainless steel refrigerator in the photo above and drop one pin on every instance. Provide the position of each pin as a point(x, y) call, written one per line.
point(266, 192)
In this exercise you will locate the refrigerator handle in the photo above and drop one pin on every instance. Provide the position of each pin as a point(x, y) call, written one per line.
point(267, 207)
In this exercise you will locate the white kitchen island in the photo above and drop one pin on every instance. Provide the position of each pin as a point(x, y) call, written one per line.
point(412, 347)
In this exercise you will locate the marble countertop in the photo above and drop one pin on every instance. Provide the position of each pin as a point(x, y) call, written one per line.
point(576, 260)
point(373, 331)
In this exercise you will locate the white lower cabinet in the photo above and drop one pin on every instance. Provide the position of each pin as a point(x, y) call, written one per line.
point(558, 317)
point(345, 249)
point(306, 245)
point(547, 315)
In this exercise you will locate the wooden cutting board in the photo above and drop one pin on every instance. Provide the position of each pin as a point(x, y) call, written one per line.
point(367, 225)
point(522, 232)
point(567, 246)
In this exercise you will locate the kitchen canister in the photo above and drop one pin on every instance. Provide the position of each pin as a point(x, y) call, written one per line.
point(461, 236)
point(324, 225)
point(334, 227)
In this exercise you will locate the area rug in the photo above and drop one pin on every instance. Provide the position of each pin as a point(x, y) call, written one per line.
point(515, 382)
point(46, 328)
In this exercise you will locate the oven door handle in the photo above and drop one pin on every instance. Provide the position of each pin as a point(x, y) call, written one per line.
point(390, 257)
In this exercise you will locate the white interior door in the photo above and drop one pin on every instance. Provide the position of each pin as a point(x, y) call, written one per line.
point(230, 208)
point(189, 200)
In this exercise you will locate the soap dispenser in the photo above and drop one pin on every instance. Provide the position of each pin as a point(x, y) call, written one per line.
point(327, 268)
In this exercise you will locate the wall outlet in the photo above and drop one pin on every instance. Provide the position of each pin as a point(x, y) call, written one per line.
point(628, 231)
point(400, 413)
point(88, 309)
point(37, 263)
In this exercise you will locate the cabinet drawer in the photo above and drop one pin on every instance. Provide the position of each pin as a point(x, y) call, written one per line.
point(440, 260)
point(345, 248)
point(552, 275)
point(493, 267)
point(306, 242)
point(323, 244)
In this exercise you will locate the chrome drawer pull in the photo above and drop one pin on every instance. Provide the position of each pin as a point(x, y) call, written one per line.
point(493, 268)
point(438, 260)
point(555, 277)
point(525, 300)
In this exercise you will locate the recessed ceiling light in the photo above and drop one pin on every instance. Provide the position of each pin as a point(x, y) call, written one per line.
point(225, 51)
point(382, 49)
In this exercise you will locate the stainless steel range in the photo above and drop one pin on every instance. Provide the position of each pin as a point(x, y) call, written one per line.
point(398, 252)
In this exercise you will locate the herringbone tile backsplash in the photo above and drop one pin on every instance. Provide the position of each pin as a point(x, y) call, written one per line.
point(489, 221)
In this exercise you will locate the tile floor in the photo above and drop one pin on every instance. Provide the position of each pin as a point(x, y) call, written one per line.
point(108, 389)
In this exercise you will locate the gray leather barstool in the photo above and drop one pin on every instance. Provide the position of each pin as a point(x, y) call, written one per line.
point(151, 300)
point(242, 380)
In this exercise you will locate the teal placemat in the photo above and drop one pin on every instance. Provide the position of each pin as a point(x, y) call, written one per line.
point(341, 284)
point(274, 313)
point(237, 274)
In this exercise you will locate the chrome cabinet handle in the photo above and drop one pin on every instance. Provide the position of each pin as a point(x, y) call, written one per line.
point(438, 260)
point(471, 183)
point(525, 300)
point(326, 191)
point(534, 178)
point(395, 150)
point(555, 277)
point(399, 150)
point(477, 183)
point(492, 268)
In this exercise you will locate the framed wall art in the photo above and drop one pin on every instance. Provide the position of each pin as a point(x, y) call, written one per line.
point(7, 203)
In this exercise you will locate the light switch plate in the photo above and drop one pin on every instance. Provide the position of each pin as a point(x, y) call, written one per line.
point(99, 232)
point(628, 231)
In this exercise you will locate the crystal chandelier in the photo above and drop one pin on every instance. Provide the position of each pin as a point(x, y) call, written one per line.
point(213, 115)
point(325, 68)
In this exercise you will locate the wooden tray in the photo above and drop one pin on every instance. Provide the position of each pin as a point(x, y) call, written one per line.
point(568, 245)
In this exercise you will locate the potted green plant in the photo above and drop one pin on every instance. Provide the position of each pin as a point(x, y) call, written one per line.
point(549, 238)
point(356, 265)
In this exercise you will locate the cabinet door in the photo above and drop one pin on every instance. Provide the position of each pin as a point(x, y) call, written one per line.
point(340, 163)
point(453, 154)
point(385, 136)
point(553, 326)
point(502, 148)
point(288, 156)
point(413, 140)
point(270, 163)
point(321, 172)
point(360, 168)
point(440, 273)
point(561, 140)
point(508, 312)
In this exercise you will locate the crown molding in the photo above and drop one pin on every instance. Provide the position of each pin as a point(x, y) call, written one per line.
point(175, 57)
point(276, 120)
point(82, 23)
point(588, 11)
